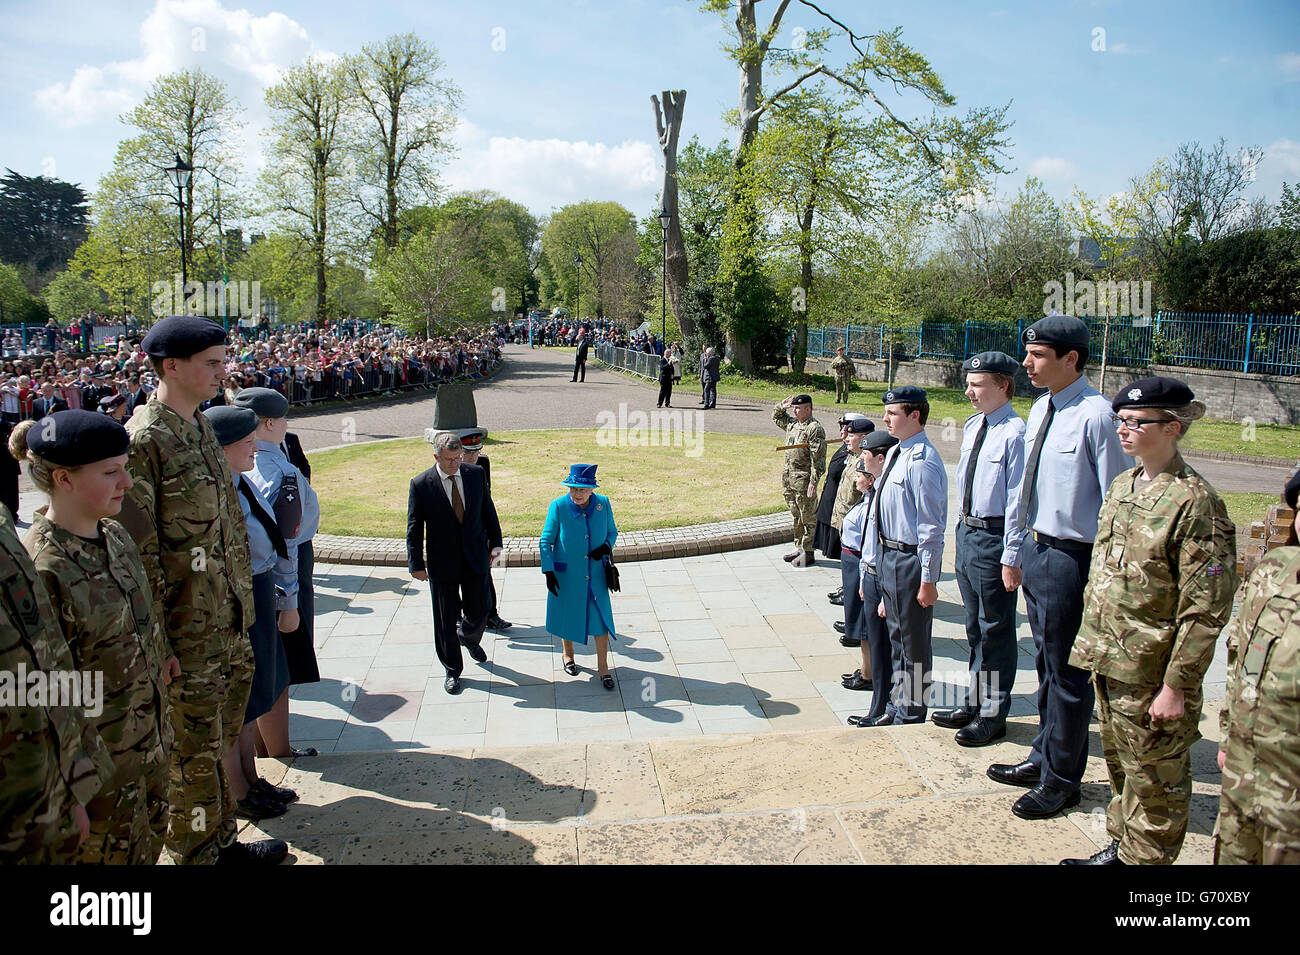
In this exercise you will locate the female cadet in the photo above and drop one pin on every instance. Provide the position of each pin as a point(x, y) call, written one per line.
point(92, 571)
point(274, 580)
point(578, 536)
point(1259, 820)
point(297, 515)
point(1159, 592)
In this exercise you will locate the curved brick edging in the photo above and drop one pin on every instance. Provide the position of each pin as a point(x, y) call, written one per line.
point(667, 542)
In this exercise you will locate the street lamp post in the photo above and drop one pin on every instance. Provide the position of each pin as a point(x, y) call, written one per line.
point(179, 174)
point(665, 219)
point(577, 308)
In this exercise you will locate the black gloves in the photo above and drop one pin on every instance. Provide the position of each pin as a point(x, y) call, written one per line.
point(599, 552)
point(552, 582)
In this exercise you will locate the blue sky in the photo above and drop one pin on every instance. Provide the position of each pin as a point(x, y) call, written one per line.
point(563, 113)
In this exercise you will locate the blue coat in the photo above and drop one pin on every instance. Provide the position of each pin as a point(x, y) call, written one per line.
point(568, 537)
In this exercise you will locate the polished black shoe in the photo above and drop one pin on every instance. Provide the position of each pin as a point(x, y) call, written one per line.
point(850, 642)
point(1021, 774)
point(1043, 802)
point(263, 852)
point(838, 592)
point(952, 719)
point(1107, 856)
point(497, 624)
point(857, 683)
point(980, 732)
point(476, 651)
point(258, 805)
point(837, 600)
point(301, 753)
point(884, 719)
point(279, 793)
point(839, 626)
point(451, 685)
point(846, 677)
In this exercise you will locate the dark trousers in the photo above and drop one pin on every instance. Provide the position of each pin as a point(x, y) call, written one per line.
point(872, 628)
point(990, 622)
point(909, 627)
point(665, 392)
point(579, 367)
point(1054, 580)
point(710, 394)
point(450, 597)
point(300, 646)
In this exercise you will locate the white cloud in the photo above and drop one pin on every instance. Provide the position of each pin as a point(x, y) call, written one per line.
point(549, 173)
point(1052, 168)
point(83, 99)
point(1289, 63)
point(1120, 47)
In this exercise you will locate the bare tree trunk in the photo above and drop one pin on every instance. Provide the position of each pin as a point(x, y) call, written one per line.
point(668, 122)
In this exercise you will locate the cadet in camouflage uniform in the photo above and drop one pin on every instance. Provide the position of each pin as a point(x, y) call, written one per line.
point(1159, 592)
point(1259, 818)
point(186, 520)
point(844, 371)
point(805, 461)
point(54, 761)
point(94, 577)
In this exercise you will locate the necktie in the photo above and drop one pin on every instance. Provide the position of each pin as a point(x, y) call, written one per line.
point(258, 511)
point(457, 504)
point(1028, 489)
point(970, 468)
point(880, 487)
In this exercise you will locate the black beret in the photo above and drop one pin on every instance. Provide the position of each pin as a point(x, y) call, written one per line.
point(860, 425)
point(802, 400)
point(994, 362)
point(231, 424)
point(182, 336)
point(266, 402)
point(1292, 490)
point(879, 441)
point(1057, 330)
point(1154, 393)
point(73, 438)
point(907, 394)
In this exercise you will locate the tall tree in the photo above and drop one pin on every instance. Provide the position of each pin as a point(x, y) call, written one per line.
point(425, 280)
point(42, 221)
point(306, 106)
point(668, 124)
point(604, 234)
point(405, 108)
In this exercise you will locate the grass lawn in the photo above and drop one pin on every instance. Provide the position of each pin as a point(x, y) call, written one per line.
point(363, 489)
point(1210, 434)
point(1247, 507)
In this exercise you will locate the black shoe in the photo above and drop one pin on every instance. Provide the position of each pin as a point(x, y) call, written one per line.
point(850, 642)
point(476, 651)
point(496, 623)
point(846, 677)
point(952, 719)
point(300, 753)
point(834, 594)
point(279, 793)
point(1107, 856)
point(837, 600)
point(980, 732)
point(791, 556)
point(839, 626)
point(884, 719)
point(263, 852)
point(451, 685)
point(1044, 801)
point(1021, 774)
point(257, 805)
point(857, 684)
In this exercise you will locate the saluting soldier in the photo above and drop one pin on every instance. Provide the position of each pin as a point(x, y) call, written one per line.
point(843, 369)
point(805, 462)
point(1072, 455)
point(989, 473)
point(1259, 817)
point(1159, 592)
point(830, 514)
point(910, 512)
point(92, 572)
point(184, 514)
point(54, 760)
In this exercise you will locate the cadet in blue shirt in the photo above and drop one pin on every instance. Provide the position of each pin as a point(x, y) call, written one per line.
point(1072, 454)
point(989, 473)
point(910, 512)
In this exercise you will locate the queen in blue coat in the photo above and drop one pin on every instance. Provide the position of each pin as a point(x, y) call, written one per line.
point(579, 535)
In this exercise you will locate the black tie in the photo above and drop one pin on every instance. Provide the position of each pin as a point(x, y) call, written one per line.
point(265, 519)
point(970, 468)
point(880, 487)
point(1031, 472)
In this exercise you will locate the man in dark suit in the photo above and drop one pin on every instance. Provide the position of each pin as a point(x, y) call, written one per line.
point(136, 394)
point(452, 536)
point(580, 360)
point(47, 403)
point(709, 376)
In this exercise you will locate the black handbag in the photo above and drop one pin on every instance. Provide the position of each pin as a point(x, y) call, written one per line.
point(611, 574)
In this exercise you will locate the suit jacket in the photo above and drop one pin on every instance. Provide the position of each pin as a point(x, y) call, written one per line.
point(712, 369)
point(436, 541)
point(582, 351)
point(41, 407)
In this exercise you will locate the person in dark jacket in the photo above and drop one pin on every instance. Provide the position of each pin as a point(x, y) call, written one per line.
point(580, 359)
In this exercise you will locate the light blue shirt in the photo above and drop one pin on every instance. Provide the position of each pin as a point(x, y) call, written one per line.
point(855, 520)
point(870, 543)
point(914, 502)
point(269, 468)
point(999, 472)
point(262, 551)
point(1081, 457)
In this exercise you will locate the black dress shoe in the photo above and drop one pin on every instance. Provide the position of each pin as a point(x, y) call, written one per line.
point(1107, 856)
point(1043, 802)
point(279, 793)
point(257, 805)
point(835, 594)
point(451, 685)
point(496, 623)
point(839, 626)
point(980, 732)
point(263, 852)
point(476, 651)
point(846, 677)
point(884, 719)
point(857, 683)
point(850, 642)
point(952, 719)
point(1021, 774)
point(837, 600)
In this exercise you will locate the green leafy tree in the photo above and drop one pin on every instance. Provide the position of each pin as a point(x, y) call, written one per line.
point(604, 234)
point(426, 280)
point(69, 296)
point(42, 221)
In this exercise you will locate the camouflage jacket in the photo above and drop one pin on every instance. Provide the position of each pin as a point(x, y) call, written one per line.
point(185, 517)
point(809, 462)
point(847, 494)
point(106, 612)
point(1160, 585)
point(51, 755)
point(843, 367)
point(1260, 718)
